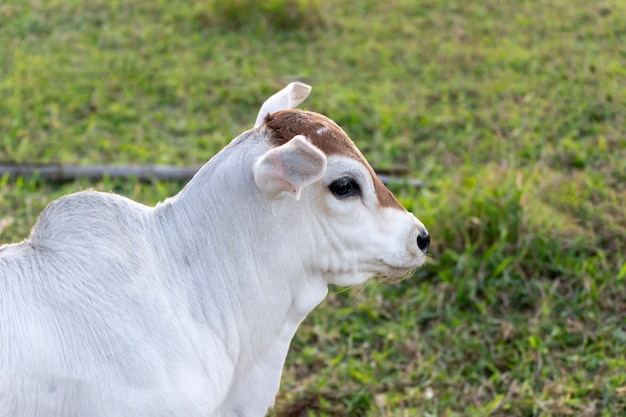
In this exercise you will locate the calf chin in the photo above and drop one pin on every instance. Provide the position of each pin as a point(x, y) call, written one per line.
point(395, 275)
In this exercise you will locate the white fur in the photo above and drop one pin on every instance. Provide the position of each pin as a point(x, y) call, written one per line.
point(113, 308)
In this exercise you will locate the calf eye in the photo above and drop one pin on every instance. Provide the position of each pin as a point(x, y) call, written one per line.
point(344, 187)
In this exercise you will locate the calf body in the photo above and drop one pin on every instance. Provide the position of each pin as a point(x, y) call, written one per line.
point(113, 308)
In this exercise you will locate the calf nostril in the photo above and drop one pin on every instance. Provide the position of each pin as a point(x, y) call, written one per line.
point(423, 241)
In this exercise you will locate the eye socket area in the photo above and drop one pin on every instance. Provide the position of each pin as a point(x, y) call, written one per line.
point(345, 187)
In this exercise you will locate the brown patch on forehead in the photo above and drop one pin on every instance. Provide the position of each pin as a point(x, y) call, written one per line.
point(326, 135)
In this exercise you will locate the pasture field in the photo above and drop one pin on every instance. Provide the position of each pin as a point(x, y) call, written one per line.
point(511, 112)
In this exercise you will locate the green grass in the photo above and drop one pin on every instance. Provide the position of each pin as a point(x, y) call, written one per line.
point(512, 112)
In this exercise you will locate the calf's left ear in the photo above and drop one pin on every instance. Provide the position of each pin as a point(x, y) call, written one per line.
point(289, 167)
point(286, 99)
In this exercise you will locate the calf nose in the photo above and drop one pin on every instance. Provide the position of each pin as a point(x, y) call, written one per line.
point(423, 240)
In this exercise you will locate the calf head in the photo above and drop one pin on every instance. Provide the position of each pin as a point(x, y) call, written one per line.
point(360, 228)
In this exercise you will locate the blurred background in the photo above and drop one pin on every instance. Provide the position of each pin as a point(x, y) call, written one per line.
point(512, 113)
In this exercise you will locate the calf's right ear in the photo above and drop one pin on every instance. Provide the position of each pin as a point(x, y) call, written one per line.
point(289, 167)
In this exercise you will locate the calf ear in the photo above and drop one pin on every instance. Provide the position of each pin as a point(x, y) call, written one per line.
point(289, 167)
point(286, 99)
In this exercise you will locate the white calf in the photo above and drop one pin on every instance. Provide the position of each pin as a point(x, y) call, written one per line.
point(112, 308)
